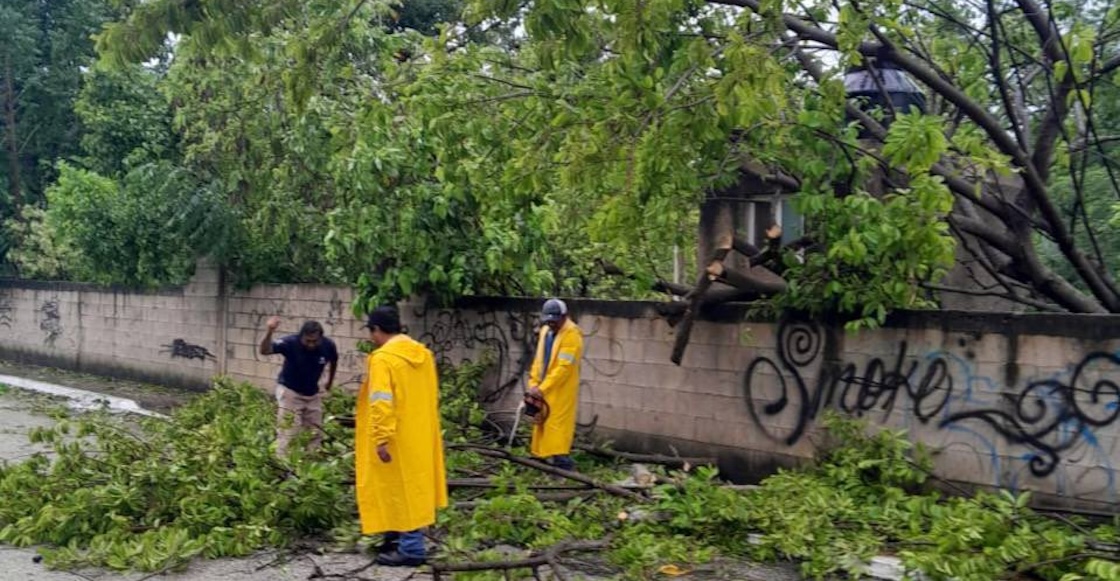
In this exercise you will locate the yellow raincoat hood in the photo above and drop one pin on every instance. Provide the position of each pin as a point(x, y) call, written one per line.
point(412, 352)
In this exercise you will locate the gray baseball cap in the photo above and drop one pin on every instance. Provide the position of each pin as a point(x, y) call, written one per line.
point(553, 310)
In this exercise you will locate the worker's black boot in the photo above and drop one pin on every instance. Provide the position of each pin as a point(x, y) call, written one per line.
point(396, 559)
point(389, 543)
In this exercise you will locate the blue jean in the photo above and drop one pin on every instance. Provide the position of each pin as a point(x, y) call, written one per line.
point(409, 544)
point(563, 462)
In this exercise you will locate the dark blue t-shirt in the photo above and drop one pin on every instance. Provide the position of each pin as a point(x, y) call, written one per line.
point(303, 366)
point(549, 338)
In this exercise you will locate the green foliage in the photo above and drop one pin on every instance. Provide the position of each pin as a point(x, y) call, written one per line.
point(144, 231)
point(205, 483)
point(420, 148)
point(864, 495)
point(126, 120)
point(46, 45)
point(1098, 204)
point(642, 550)
point(881, 249)
point(459, 399)
point(38, 250)
point(494, 169)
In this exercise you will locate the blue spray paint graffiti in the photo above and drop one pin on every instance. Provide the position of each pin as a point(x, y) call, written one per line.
point(1052, 421)
point(1049, 417)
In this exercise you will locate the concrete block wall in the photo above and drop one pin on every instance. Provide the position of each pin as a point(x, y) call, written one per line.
point(170, 336)
point(1022, 402)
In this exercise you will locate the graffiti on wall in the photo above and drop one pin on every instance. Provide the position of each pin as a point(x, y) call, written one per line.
point(1048, 417)
point(847, 387)
point(50, 321)
point(7, 309)
point(336, 311)
point(507, 335)
point(180, 348)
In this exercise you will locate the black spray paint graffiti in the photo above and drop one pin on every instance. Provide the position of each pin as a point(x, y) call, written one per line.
point(1048, 417)
point(180, 348)
point(6, 309)
point(450, 331)
point(1051, 417)
point(50, 321)
point(845, 387)
point(335, 312)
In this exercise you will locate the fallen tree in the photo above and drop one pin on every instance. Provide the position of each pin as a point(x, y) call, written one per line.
point(204, 484)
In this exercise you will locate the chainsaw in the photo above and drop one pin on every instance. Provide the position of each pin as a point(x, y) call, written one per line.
point(532, 406)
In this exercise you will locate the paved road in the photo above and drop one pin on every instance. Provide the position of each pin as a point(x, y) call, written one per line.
point(21, 412)
point(18, 415)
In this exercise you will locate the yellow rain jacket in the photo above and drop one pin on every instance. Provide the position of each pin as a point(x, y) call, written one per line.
point(560, 388)
point(399, 403)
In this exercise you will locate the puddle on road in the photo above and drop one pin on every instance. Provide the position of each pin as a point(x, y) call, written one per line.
point(157, 398)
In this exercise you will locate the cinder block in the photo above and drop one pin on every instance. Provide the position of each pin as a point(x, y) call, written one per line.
point(598, 347)
point(643, 329)
point(757, 335)
point(609, 417)
point(655, 351)
point(715, 407)
point(988, 349)
point(655, 399)
point(660, 424)
point(701, 356)
point(639, 374)
point(712, 333)
point(733, 434)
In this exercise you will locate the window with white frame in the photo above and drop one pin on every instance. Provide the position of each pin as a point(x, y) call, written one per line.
point(760, 213)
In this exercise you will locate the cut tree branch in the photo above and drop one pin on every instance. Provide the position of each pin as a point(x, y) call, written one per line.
point(550, 557)
point(543, 497)
point(696, 301)
point(758, 279)
point(455, 483)
point(529, 463)
point(671, 461)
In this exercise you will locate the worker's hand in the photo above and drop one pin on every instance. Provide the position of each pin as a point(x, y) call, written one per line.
point(534, 390)
point(273, 323)
point(383, 453)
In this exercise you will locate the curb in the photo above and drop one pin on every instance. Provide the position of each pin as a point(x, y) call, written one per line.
point(80, 399)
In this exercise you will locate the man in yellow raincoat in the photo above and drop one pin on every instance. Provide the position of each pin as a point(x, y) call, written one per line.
point(554, 377)
point(398, 448)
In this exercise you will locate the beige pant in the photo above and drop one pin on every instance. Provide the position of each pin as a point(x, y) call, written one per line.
point(296, 412)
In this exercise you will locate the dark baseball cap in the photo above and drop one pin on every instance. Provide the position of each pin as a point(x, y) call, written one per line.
point(553, 310)
point(385, 318)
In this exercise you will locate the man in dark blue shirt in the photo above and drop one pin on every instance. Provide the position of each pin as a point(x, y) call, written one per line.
point(298, 398)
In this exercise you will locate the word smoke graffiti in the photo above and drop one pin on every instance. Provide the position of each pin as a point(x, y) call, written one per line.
point(1049, 417)
point(846, 387)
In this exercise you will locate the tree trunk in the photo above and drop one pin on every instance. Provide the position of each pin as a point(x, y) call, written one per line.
point(14, 179)
point(723, 248)
point(758, 279)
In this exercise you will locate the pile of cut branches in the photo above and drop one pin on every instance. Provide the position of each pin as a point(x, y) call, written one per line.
point(205, 483)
